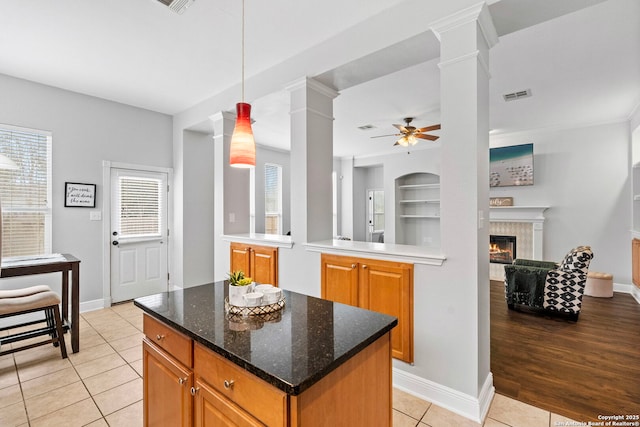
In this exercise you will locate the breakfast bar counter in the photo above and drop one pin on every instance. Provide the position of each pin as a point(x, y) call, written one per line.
point(310, 362)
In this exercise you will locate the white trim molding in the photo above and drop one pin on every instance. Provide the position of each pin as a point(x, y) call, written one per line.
point(470, 407)
point(529, 214)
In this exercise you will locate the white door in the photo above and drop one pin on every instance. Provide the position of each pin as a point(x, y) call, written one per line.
point(375, 216)
point(138, 234)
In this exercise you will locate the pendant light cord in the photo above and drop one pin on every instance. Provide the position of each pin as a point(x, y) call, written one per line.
point(242, 50)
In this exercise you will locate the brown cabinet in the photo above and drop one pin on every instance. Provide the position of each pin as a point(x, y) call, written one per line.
point(213, 409)
point(340, 279)
point(166, 388)
point(232, 390)
point(214, 391)
point(382, 286)
point(258, 262)
point(635, 261)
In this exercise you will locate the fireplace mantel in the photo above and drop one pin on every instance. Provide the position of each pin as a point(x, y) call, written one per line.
point(534, 214)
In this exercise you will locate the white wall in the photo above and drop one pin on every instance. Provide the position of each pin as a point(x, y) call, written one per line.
point(583, 175)
point(198, 192)
point(86, 131)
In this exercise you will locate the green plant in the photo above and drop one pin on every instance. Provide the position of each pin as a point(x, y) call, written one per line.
point(237, 278)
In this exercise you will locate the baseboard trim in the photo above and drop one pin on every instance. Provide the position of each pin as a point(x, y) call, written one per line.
point(627, 289)
point(635, 293)
point(96, 304)
point(470, 407)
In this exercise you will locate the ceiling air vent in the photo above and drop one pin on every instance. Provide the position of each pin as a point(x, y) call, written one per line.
point(366, 127)
point(517, 95)
point(178, 6)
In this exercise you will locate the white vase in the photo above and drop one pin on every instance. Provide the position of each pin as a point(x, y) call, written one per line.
point(236, 293)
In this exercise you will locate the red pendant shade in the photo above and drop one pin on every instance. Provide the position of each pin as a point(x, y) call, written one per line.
point(242, 153)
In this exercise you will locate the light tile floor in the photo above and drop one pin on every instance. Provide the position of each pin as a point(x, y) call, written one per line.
point(101, 385)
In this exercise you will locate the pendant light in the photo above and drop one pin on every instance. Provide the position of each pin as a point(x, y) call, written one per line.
point(242, 153)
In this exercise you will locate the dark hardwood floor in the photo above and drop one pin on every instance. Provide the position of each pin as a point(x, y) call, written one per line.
point(577, 369)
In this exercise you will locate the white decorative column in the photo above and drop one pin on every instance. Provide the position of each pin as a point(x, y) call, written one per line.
point(311, 160)
point(465, 40)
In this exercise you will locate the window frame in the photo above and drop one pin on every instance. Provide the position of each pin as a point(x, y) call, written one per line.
point(47, 209)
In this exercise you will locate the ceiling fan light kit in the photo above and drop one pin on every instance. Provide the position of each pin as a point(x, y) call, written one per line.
point(409, 135)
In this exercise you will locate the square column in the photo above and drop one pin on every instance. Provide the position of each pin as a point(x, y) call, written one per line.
point(465, 40)
point(311, 160)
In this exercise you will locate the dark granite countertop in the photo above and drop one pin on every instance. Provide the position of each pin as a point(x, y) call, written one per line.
point(291, 349)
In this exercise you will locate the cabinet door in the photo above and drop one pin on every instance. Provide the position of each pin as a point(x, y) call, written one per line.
point(241, 258)
point(264, 264)
point(387, 287)
point(635, 261)
point(212, 409)
point(339, 279)
point(166, 389)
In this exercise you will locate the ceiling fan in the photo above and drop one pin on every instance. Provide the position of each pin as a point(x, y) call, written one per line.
point(410, 134)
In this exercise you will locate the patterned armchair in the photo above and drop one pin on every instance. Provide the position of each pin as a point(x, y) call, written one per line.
point(545, 285)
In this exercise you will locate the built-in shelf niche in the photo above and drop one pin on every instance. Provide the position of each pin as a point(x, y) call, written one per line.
point(417, 198)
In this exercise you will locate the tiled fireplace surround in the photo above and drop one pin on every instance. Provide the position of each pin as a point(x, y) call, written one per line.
point(524, 222)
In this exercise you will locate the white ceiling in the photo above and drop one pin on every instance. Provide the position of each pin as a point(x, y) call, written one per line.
point(582, 66)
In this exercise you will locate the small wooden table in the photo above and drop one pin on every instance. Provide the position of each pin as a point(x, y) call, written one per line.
point(63, 263)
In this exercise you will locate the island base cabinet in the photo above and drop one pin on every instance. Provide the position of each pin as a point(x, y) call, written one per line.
point(240, 388)
point(216, 392)
point(166, 389)
point(212, 409)
point(357, 393)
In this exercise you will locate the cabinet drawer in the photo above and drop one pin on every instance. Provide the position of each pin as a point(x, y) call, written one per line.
point(172, 341)
point(260, 399)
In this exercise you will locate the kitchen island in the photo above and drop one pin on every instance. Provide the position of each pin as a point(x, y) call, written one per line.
point(314, 362)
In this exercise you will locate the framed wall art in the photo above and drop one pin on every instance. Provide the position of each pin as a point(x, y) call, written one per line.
point(511, 166)
point(79, 195)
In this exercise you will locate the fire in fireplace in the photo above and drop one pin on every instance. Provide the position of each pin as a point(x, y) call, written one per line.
point(502, 249)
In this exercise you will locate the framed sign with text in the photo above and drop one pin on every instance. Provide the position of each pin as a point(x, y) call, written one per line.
point(79, 195)
point(500, 201)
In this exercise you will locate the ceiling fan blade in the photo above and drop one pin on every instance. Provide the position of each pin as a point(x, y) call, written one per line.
point(397, 143)
point(429, 137)
point(429, 128)
point(382, 136)
point(401, 128)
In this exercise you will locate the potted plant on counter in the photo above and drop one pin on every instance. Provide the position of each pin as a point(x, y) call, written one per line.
point(238, 286)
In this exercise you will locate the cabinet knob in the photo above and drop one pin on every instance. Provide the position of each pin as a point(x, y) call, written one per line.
point(364, 266)
point(159, 337)
point(194, 390)
point(182, 381)
point(353, 266)
point(228, 384)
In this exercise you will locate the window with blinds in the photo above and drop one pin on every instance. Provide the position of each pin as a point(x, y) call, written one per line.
point(25, 193)
point(272, 199)
point(140, 207)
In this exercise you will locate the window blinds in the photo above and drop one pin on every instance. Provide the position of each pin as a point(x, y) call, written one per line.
point(25, 193)
point(140, 202)
point(272, 198)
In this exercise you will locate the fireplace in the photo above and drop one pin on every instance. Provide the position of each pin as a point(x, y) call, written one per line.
point(502, 249)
